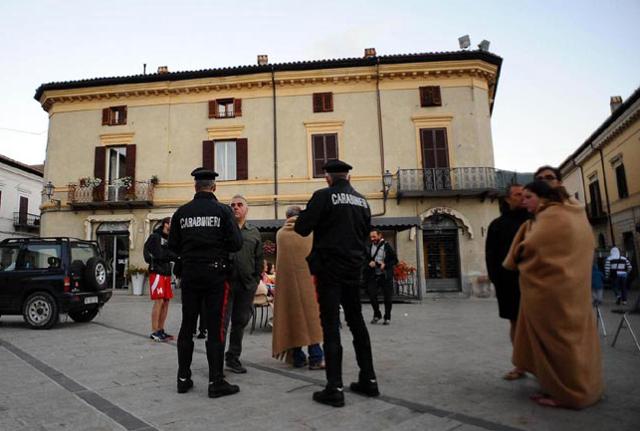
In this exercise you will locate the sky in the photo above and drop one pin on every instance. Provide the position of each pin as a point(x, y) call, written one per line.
point(563, 60)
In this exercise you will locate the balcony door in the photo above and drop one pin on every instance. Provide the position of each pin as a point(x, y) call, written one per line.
point(117, 168)
point(435, 159)
point(23, 211)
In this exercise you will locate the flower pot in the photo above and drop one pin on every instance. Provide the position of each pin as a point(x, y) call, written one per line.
point(137, 281)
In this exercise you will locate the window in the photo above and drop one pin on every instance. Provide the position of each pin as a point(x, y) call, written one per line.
point(595, 203)
point(325, 148)
point(225, 160)
point(114, 116)
point(82, 252)
point(322, 102)
point(430, 96)
point(9, 257)
point(435, 151)
point(41, 256)
point(227, 157)
point(621, 180)
point(225, 108)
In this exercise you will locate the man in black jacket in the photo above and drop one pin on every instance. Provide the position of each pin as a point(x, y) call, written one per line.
point(203, 233)
point(379, 274)
point(499, 238)
point(159, 258)
point(340, 219)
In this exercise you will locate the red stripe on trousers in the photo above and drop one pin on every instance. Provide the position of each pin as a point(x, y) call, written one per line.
point(225, 302)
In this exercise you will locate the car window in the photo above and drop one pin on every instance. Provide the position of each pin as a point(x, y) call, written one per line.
point(8, 257)
point(41, 256)
point(82, 252)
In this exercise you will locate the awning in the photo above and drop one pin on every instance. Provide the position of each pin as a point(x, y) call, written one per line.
point(395, 223)
point(389, 223)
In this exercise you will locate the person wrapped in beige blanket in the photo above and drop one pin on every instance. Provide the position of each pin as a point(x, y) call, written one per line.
point(556, 336)
point(296, 320)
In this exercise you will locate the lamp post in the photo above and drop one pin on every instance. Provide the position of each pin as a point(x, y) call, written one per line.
point(387, 181)
point(48, 190)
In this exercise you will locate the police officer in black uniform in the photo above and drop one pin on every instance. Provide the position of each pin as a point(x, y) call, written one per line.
point(203, 233)
point(340, 219)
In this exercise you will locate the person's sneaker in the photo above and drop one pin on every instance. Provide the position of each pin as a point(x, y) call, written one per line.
point(375, 320)
point(366, 387)
point(156, 336)
point(386, 322)
point(222, 389)
point(330, 397)
point(184, 384)
point(202, 334)
point(167, 337)
point(235, 366)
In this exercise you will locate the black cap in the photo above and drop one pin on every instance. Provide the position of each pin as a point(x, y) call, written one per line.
point(337, 166)
point(204, 174)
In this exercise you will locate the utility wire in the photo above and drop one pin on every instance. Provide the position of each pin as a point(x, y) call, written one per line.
point(27, 132)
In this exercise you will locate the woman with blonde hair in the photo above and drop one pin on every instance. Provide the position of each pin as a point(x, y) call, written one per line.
point(556, 336)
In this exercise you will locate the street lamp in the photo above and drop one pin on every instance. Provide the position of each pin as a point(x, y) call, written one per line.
point(48, 190)
point(387, 181)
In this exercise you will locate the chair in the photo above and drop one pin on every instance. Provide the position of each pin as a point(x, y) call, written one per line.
point(260, 302)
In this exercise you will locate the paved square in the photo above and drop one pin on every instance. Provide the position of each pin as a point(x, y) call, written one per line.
point(439, 366)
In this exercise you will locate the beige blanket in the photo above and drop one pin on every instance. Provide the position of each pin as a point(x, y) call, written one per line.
point(296, 320)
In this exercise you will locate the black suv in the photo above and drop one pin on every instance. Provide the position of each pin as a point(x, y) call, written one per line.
point(43, 277)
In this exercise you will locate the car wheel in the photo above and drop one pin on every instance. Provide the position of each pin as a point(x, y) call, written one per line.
point(95, 274)
point(83, 315)
point(40, 311)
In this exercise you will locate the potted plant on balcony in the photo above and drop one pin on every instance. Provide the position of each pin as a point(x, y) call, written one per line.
point(137, 275)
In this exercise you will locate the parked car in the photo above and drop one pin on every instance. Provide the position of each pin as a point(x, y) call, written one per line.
point(43, 277)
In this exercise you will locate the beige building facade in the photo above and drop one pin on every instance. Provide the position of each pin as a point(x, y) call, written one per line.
point(120, 151)
point(604, 172)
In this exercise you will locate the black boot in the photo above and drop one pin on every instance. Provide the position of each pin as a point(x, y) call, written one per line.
point(367, 387)
point(222, 388)
point(330, 397)
point(184, 385)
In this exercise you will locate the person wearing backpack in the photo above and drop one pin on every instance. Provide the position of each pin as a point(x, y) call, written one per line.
point(159, 257)
point(617, 269)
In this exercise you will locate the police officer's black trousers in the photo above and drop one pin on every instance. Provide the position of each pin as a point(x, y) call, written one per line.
point(215, 298)
point(331, 294)
point(375, 284)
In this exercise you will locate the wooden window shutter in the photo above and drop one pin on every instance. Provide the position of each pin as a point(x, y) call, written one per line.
point(123, 115)
point(208, 155)
point(317, 102)
point(130, 167)
point(106, 113)
point(213, 108)
point(242, 159)
point(328, 102)
point(237, 107)
point(435, 96)
point(99, 170)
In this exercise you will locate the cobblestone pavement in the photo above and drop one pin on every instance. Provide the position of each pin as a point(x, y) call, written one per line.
point(439, 366)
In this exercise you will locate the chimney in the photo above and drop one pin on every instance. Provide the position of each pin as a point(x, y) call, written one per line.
point(369, 52)
point(163, 69)
point(263, 59)
point(615, 103)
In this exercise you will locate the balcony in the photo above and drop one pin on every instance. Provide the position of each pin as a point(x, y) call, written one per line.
point(458, 182)
point(23, 220)
point(111, 196)
point(596, 215)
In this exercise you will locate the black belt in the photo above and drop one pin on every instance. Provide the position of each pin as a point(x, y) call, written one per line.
point(217, 263)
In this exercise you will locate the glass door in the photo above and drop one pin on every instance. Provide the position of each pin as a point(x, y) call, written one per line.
point(116, 252)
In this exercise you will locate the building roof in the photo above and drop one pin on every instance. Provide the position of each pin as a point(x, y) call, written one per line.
point(276, 67)
point(391, 223)
point(19, 165)
point(635, 96)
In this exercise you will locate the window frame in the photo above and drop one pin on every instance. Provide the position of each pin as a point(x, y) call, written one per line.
point(218, 143)
point(621, 181)
point(319, 173)
point(114, 116)
point(323, 102)
point(430, 95)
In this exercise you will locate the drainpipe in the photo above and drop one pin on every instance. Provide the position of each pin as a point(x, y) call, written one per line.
point(275, 145)
point(380, 139)
point(606, 194)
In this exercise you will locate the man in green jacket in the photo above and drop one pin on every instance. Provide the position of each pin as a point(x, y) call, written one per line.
point(247, 269)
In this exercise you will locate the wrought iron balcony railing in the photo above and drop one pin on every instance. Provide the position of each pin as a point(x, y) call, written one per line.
point(26, 220)
point(596, 214)
point(466, 181)
point(111, 195)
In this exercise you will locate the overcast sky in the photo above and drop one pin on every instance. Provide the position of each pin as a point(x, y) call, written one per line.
point(562, 59)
